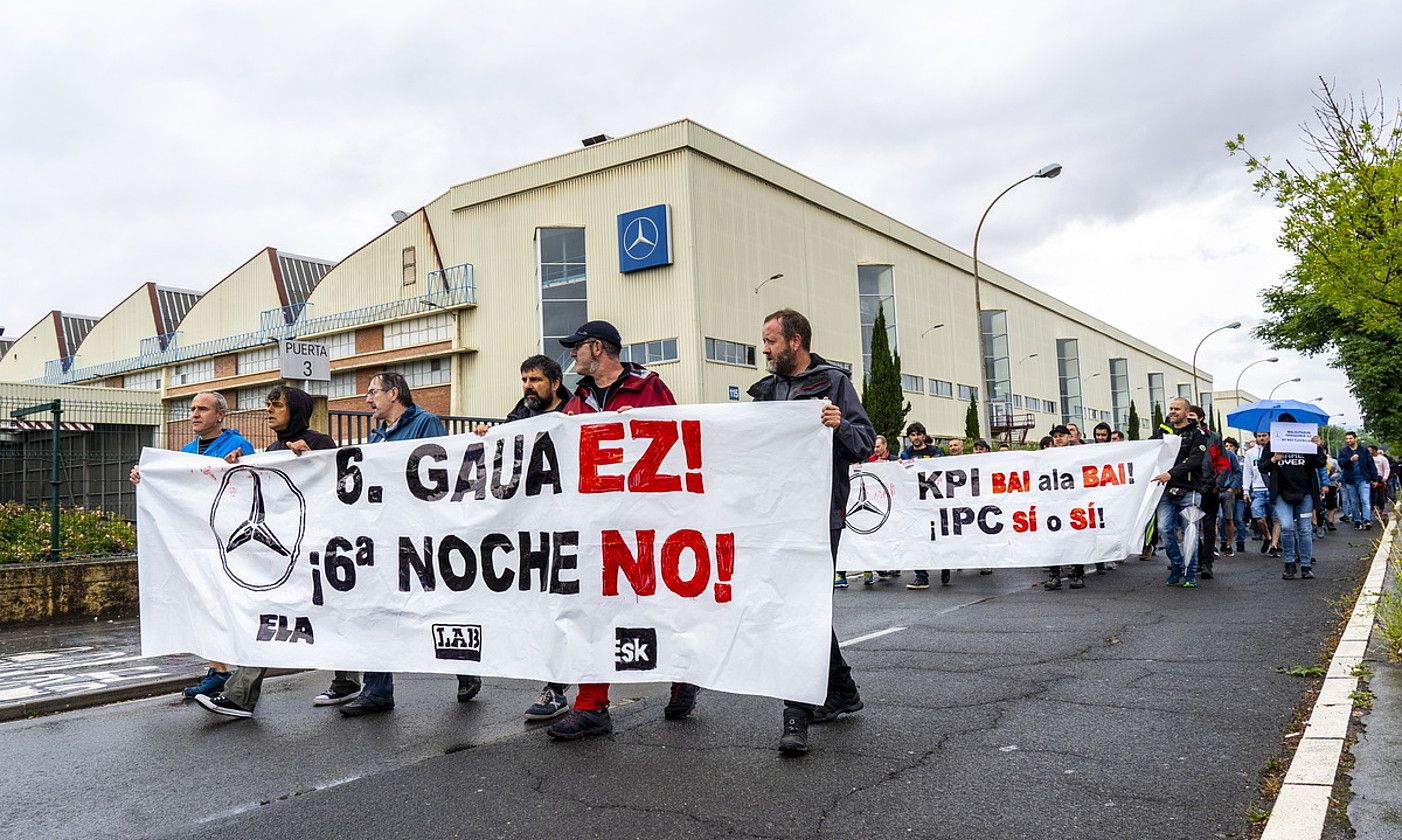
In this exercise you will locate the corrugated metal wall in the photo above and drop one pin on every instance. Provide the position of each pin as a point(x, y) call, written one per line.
point(233, 305)
point(117, 334)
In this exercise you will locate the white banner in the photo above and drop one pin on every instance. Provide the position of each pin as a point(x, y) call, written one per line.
point(1073, 504)
point(687, 543)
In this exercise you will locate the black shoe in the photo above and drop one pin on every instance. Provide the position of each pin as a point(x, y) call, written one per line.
point(985, 571)
point(1265, 546)
point(1307, 573)
point(1289, 573)
point(1100, 568)
point(581, 723)
point(794, 741)
point(1078, 582)
point(221, 705)
point(1052, 583)
point(1331, 526)
point(944, 577)
point(468, 686)
point(922, 581)
point(363, 705)
point(1205, 572)
point(833, 707)
point(336, 695)
point(1276, 552)
point(682, 703)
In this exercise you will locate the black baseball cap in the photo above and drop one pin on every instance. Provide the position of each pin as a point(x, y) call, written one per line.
point(1060, 429)
point(591, 330)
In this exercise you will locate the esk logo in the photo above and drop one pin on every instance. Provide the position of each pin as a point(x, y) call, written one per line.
point(458, 641)
point(634, 649)
point(871, 504)
point(258, 518)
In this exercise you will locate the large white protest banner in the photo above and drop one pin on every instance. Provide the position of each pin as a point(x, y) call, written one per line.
point(657, 544)
point(1072, 504)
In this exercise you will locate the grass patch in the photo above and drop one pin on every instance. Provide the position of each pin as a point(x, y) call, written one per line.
point(1389, 617)
point(1305, 670)
point(1362, 698)
point(1258, 816)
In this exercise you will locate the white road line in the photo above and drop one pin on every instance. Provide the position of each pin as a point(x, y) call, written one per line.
point(869, 636)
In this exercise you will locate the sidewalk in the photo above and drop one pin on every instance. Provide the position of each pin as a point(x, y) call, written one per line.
point(50, 668)
point(1375, 809)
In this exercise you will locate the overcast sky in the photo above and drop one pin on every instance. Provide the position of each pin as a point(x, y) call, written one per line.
point(170, 141)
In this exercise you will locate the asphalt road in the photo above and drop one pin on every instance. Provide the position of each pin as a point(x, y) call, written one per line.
point(997, 710)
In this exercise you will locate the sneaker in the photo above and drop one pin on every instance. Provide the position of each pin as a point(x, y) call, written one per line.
point(1228, 551)
point(363, 705)
point(833, 708)
point(1276, 552)
point(1100, 568)
point(1189, 584)
point(468, 686)
point(1206, 571)
point(1289, 573)
point(1052, 583)
point(551, 705)
point(581, 723)
point(944, 577)
point(1331, 526)
point(839, 580)
point(1174, 579)
point(922, 581)
point(1078, 582)
point(682, 702)
point(1265, 546)
point(221, 705)
point(334, 696)
point(1307, 573)
point(868, 578)
point(794, 741)
point(1240, 547)
point(985, 571)
point(212, 683)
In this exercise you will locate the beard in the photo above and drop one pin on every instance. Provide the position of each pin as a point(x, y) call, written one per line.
point(533, 402)
point(783, 363)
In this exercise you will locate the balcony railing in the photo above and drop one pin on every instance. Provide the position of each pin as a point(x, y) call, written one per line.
point(273, 327)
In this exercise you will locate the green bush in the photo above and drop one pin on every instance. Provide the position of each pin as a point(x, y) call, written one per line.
point(24, 533)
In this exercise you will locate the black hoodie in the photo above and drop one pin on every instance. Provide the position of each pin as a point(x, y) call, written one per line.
point(299, 404)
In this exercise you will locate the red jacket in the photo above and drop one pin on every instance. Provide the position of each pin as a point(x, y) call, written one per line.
point(638, 387)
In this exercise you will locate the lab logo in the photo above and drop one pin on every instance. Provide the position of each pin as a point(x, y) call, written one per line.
point(458, 641)
point(634, 649)
point(871, 504)
point(644, 238)
point(258, 518)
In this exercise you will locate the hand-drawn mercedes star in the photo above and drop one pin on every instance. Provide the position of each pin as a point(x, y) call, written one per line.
point(872, 505)
point(263, 560)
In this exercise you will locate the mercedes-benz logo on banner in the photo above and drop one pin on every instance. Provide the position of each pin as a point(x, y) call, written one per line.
point(640, 238)
point(871, 504)
point(258, 518)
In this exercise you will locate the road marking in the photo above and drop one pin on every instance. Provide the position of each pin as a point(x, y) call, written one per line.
point(869, 636)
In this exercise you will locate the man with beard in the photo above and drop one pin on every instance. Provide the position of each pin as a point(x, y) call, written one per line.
point(1182, 496)
point(1101, 432)
point(920, 447)
point(1212, 466)
point(289, 411)
point(608, 384)
point(796, 373)
point(1061, 435)
point(1294, 487)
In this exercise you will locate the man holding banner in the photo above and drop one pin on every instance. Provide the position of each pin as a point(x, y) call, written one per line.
point(1182, 495)
point(796, 373)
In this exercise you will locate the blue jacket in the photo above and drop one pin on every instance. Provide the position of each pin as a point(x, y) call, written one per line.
point(227, 442)
point(414, 423)
point(1363, 470)
point(1230, 478)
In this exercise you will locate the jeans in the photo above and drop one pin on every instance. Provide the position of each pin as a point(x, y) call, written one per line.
point(380, 686)
point(1182, 512)
point(1240, 518)
point(841, 687)
point(1260, 504)
point(1358, 500)
point(1296, 529)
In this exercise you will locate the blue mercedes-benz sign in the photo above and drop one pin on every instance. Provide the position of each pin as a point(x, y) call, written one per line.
point(644, 238)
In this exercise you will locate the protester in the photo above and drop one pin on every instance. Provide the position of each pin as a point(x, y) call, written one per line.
point(1330, 489)
point(1003, 447)
point(208, 410)
point(881, 452)
point(1117, 436)
point(869, 578)
point(920, 447)
point(1358, 472)
point(1101, 432)
point(1061, 435)
point(397, 417)
point(1294, 485)
point(542, 382)
point(1239, 505)
point(1254, 484)
point(1380, 486)
point(289, 413)
point(608, 384)
point(1075, 432)
point(1182, 495)
point(1228, 490)
point(1045, 442)
point(1213, 466)
point(981, 445)
point(798, 373)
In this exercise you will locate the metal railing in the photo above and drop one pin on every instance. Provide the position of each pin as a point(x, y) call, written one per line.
point(352, 428)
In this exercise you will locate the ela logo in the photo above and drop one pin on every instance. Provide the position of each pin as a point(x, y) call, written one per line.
point(458, 641)
point(634, 649)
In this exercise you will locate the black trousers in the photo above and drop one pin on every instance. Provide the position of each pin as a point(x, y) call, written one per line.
point(840, 683)
point(1207, 546)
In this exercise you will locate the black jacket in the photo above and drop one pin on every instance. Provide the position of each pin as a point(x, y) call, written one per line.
point(853, 439)
point(1188, 469)
point(522, 411)
point(1293, 461)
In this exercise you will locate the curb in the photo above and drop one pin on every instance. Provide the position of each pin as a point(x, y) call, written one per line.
point(1303, 802)
point(116, 694)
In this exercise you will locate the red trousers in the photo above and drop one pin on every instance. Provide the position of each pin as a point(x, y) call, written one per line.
point(592, 696)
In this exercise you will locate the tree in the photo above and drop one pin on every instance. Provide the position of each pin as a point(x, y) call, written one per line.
point(1343, 228)
point(881, 392)
point(1156, 419)
point(971, 429)
point(1132, 433)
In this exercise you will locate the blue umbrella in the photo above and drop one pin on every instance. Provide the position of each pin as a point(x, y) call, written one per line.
point(1258, 416)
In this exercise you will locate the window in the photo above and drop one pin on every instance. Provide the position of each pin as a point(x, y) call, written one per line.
point(1185, 391)
point(410, 269)
point(247, 399)
point(192, 372)
point(1017, 401)
point(730, 352)
point(650, 352)
point(847, 366)
point(425, 330)
point(1068, 371)
point(876, 291)
point(940, 388)
point(997, 372)
point(1205, 403)
point(564, 291)
point(1048, 406)
point(146, 380)
point(426, 372)
point(255, 361)
point(912, 383)
point(1119, 392)
point(1156, 394)
point(341, 385)
point(178, 410)
point(340, 345)
point(968, 393)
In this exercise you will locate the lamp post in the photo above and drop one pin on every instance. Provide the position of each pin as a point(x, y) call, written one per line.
point(1235, 325)
point(1237, 389)
point(1271, 395)
point(930, 330)
point(1051, 170)
point(761, 285)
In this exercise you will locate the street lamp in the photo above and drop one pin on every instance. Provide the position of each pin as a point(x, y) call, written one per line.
point(1025, 358)
point(1271, 395)
point(1235, 325)
point(1051, 170)
point(761, 285)
point(930, 330)
point(1272, 359)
